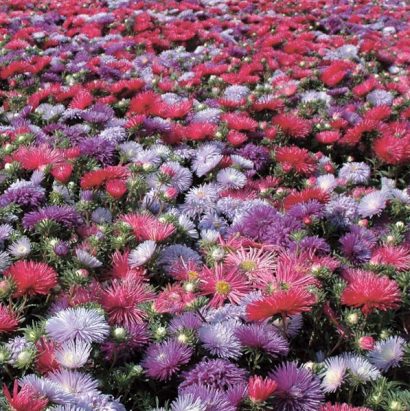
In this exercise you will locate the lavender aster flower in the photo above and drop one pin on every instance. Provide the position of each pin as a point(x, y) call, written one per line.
point(98, 148)
point(372, 204)
point(230, 178)
point(142, 254)
point(86, 259)
point(200, 200)
point(357, 244)
point(355, 173)
point(207, 158)
point(187, 402)
point(65, 215)
point(264, 337)
point(333, 374)
point(75, 382)
point(298, 389)
point(388, 353)
point(73, 354)
point(20, 248)
point(80, 323)
point(23, 193)
point(162, 360)
point(214, 374)
point(360, 369)
point(380, 98)
point(215, 400)
point(175, 253)
point(4, 260)
point(220, 340)
point(341, 210)
point(5, 231)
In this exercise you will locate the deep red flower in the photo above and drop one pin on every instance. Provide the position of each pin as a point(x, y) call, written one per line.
point(81, 100)
point(239, 121)
point(392, 150)
point(36, 158)
point(26, 399)
point(8, 320)
point(31, 278)
point(146, 103)
point(260, 389)
point(45, 358)
point(335, 73)
point(236, 138)
point(285, 302)
point(327, 137)
point(368, 291)
point(62, 172)
point(96, 178)
point(116, 188)
point(305, 195)
point(295, 158)
point(292, 125)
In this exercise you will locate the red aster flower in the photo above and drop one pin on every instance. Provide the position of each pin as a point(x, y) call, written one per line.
point(173, 299)
point(96, 178)
point(369, 291)
point(240, 121)
point(121, 270)
point(223, 285)
point(236, 138)
point(327, 137)
point(81, 100)
point(36, 158)
point(45, 358)
point(199, 131)
point(355, 134)
point(336, 72)
point(178, 110)
point(260, 389)
point(26, 399)
point(392, 150)
point(31, 278)
point(62, 172)
point(135, 121)
point(116, 188)
point(378, 113)
point(147, 227)
point(283, 302)
point(8, 320)
point(127, 86)
point(292, 125)
point(366, 87)
point(396, 256)
point(121, 299)
point(295, 158)
point(270, 104)
point(304, 196)
point(146, 103)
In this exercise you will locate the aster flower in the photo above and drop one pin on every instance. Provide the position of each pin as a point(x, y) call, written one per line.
point(260, 389)
point(369, 292)
point(98, 148)
point(177, 253)
point(395, 256)
point(290, 302)
point(163, 360)
point(65, 215)
point(24, 399)
point(215, 400)
point(5, 260)
point(187, 402)
point(372, 204)
point(333, 375)
point(146, 227)
point(142, 254)
point(223, 285)
point(220, 340)
point(295, 158)
point(297, 388)
point(265, 337)
point(216, 374)
point(20, 248)
point(8, 320)
point(341, 210)
point(388, 353)
point(206, 159)
point(360, 369)
point(87, 325)
point(73, 354)
point(23, 193)
point(74, 382)
point(31, 278)
point(355, 173)
point(86, 259)
point(358, 244)
point(199, 200)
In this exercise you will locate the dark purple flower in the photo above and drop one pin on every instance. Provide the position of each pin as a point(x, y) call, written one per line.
point(65, 215)
point(357, 245)
point(23, 193)
point(298, 389)
point(162, 360)
point(99, 148)
point(257, 154)
point(263, 337)
point(218, 374)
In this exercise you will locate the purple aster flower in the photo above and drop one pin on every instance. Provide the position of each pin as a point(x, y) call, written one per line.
point(206, 159)
point(372, 204)
point(75, 382)
point(114, 134)
point(388, 353)
point(80, 323)
point(215, 374)
point(175, 253)
point(5, 260)
point(98, 148)
point(313, 244)
point(263, 337)
point(101, 215)
point(215, 400)
point(163, 360)
point(355, 173)
point(341, 210)
point(360, 369)
point(211, 221)
point(99, 113)
point(23, 193)
point(5, 231)
point(259, 155)
point(185, 321)
point(380, 98)
point(230, 178)
point(357, 244)
point(65, 215)
point(209, 115)
point(61, 248)
point(309, 209)
point(298, 389)
point(187, 402)
point(73, 353)
point(220, 340)
point(236, 93)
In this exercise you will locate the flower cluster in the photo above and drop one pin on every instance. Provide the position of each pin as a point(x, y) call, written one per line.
point(204, 205)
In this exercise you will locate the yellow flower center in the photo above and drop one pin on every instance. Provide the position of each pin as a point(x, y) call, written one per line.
point(222, 287)
point(192, 275)
point(247, 265)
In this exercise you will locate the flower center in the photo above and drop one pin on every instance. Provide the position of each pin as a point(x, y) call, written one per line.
point(222, 287)
point(247, 265)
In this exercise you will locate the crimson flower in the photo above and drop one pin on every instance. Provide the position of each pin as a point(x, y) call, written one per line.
point(31, 278)
point(260, 389)
point(285, 302)
point(8, 320)
point(26, 399)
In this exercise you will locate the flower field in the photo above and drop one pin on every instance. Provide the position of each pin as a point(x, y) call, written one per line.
point(204, 205)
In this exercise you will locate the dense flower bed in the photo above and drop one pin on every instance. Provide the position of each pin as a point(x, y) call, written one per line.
point(204, 205)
